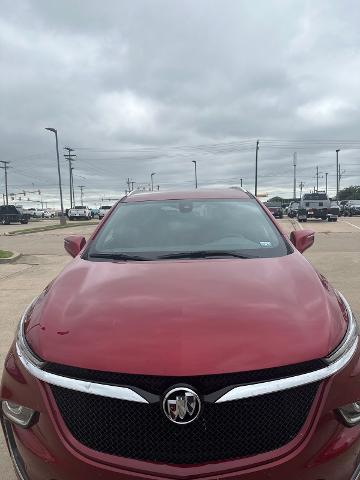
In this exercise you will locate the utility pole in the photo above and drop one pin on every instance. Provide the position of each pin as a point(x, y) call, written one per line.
point(241, 180)
point(81, 194)
point(152, 181)
point(340, 175)
point(337, 174)
point(256, 167)
point(195, 165)
point(326, 182)
point(5, 168)
point(294, 163)
point(132, 185)
point(301, 186)
point(69, 157)
point(317, 178)
point(128, 183)
point(72, 187)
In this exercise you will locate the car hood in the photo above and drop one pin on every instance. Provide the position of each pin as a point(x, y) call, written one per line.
point(186, 317)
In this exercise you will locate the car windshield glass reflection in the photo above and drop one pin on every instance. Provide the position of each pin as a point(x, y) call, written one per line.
point(193, 228)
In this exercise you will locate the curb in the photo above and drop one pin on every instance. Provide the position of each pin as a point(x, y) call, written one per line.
point(14, 257)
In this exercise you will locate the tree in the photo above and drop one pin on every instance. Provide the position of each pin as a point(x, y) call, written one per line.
point(350, 193)
point(276, 200)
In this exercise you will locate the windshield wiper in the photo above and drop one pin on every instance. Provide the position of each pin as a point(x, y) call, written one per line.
point(206, 254)
point(119, 256)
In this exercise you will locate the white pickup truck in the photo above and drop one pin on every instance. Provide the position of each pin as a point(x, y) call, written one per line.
point(104, 209)
point(79, 213)
point(317, 205)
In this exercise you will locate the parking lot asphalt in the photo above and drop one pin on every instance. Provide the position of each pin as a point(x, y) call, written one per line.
point(31, 224)
point(336, 254)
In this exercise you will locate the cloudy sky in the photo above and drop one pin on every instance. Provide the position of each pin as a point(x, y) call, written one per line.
point(142, 86)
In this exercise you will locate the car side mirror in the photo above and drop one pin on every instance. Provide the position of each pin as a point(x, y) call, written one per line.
point(73, 244)
point(302, 239)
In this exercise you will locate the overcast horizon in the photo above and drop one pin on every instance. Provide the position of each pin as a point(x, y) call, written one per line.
point(137, 87)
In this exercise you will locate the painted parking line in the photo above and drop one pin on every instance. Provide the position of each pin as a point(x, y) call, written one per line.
point(349, 223)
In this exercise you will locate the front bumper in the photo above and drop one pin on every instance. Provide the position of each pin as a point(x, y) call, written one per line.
point(329, 451)
point(38, 458)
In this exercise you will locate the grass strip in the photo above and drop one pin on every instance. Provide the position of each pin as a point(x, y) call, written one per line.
point(5, 254)
point(26, 231)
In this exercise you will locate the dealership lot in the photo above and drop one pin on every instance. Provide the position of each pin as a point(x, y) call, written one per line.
point(336, 253)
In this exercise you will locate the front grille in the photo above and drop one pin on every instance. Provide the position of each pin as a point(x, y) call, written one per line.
point(223, 431)
point(204, 384)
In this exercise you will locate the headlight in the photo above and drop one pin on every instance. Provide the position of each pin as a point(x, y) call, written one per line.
point(350, 337)
point(22, 416)
point(21, 343)
point(350, 414)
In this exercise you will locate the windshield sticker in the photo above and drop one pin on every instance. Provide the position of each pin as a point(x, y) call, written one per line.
point(266, 244)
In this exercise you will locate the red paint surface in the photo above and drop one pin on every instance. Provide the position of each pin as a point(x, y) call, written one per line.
point(187, 317)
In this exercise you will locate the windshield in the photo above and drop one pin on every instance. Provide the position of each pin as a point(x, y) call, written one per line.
point(154, 229)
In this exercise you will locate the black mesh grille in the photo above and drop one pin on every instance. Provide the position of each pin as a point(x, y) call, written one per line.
point(223, 431)
point(204, 384)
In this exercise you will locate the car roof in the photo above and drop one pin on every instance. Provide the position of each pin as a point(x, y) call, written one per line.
point(201, 194)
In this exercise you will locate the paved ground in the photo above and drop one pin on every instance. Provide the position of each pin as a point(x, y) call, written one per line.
point(31, 224)
point(336, 253)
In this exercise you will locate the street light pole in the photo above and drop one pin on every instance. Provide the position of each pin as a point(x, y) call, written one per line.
point(152, 181)
point(337, 174)
point(62, 217)
point(195, 165)
point(256, 167)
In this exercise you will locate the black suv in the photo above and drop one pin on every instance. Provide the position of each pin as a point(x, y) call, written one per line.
point(11, 214)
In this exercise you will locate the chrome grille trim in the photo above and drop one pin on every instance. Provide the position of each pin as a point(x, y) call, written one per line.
point(112, 391)
point(247, 391)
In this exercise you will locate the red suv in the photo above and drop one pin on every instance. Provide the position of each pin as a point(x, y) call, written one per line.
point(189, 338)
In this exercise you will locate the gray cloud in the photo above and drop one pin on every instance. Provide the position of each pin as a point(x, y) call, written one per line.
point(139, 87)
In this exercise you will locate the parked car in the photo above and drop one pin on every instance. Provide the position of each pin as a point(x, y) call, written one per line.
point(354, 209)
point(170, 348)
point(36, 212)
point(104, 209)
point(292, 209)
point(94, 212)
point(79, 213)
point(49, 214)
point(301, 215)
point(317, 205)
point(342, 205)
point(11, 214)
point(276, 211)
point(351, 207)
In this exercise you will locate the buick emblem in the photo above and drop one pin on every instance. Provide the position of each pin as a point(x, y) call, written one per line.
point(181, 405)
